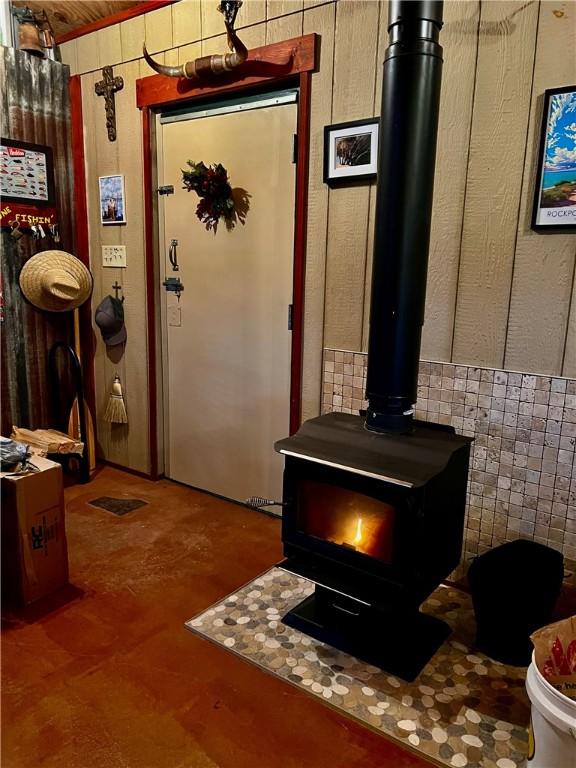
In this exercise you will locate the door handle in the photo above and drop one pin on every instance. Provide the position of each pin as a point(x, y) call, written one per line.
point(173, 256)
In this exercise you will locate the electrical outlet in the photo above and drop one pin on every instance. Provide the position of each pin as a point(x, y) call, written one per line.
point(113, 255)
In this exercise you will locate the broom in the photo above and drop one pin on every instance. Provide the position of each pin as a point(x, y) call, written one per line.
point(116, 410)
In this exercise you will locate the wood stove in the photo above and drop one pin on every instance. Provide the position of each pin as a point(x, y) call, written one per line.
point(376, 522)
point(374, 504)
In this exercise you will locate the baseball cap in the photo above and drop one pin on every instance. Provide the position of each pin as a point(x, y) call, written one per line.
point(109, 317)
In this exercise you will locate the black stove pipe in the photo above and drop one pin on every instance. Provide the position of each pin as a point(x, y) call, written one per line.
point(408, 129)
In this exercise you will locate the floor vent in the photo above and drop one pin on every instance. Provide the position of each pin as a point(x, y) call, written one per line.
point(117, 506)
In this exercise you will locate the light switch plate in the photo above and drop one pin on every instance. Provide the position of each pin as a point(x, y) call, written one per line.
point(113, 255)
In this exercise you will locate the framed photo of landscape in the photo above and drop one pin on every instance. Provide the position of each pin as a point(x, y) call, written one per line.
point(555, 195)
point(351, 152)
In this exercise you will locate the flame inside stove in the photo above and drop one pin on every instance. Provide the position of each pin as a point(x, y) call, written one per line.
point(348, 518)
point(357, 540)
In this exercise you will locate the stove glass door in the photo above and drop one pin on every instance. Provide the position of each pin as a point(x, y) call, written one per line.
point(347, 518)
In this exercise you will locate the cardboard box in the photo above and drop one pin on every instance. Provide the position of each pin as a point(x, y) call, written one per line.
point(34, 549)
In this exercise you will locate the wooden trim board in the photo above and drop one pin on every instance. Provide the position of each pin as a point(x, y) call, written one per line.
point(264, 65)
point(136, 472)
point(82, 245)
point(150, 254)
point(300, 233)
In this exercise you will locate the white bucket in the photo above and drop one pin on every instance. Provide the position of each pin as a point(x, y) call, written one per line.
point(552, 742)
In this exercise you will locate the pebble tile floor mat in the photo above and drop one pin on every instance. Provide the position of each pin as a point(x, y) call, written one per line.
point(463, 710)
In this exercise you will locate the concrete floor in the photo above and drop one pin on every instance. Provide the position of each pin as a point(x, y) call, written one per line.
point(106, 676)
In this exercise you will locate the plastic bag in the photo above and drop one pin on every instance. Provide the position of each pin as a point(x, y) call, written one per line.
point(555, 655)
point(13, 455)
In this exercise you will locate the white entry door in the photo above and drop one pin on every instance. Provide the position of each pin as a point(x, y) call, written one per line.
point(227, 341)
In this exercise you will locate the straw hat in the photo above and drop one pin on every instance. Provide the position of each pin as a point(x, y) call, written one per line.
point(55, 281)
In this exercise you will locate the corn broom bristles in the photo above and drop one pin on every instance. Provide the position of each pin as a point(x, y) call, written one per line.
point(116, 410)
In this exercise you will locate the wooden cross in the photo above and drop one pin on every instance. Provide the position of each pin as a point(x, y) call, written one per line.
point(107, 88)
point(117, 288)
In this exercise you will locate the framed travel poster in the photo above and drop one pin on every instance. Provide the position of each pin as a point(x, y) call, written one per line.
point(27, 173)
point(555, 196)
point(350, 152)
point(112, 200)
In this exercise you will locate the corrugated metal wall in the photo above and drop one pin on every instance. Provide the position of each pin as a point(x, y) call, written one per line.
point(35, 107)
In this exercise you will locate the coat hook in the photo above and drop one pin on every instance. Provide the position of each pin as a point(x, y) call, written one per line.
point(117, 288)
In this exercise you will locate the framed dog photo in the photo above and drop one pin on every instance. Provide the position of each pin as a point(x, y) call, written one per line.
point(351, 152)
point(112, 200)
point(555, 196)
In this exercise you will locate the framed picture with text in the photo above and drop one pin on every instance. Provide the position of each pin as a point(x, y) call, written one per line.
point(27, 173)
point(351, 152)
point(554, 207)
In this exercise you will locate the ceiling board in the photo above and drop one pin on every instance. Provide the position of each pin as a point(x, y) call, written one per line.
point(68, 15)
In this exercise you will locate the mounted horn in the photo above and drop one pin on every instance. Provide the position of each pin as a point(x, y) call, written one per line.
point(164, 69)
point(209, 65)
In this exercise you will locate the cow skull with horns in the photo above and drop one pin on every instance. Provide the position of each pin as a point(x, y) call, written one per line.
point(209, 65)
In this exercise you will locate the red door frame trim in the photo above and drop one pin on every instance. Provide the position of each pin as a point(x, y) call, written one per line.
point(148, 151)
point(294, 60)
point(82, 241)
point(300, 232)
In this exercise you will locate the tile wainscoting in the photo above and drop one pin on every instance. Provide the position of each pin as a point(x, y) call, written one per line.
point(522, 482)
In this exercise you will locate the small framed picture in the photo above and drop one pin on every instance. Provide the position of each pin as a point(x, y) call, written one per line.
point(27, 173)
point(351, 152)
point(555, 195)
point(112, 200)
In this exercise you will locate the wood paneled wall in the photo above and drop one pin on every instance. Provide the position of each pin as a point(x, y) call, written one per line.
point(119, 443)
point(498, 293)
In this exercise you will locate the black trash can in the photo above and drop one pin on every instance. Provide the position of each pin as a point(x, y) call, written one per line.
point(514, 589)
